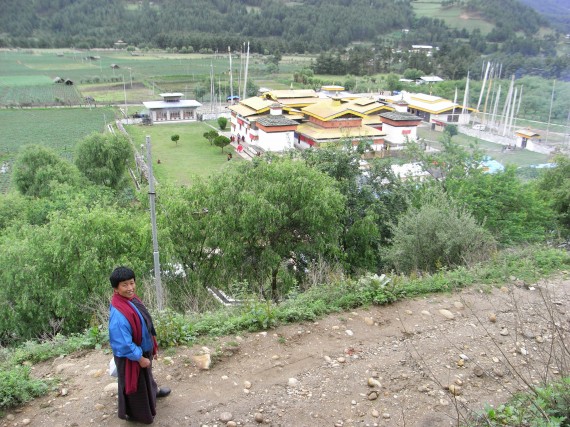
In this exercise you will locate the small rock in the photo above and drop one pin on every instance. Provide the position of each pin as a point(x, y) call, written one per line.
point(10, 417)
point(447, 314)
point(341, 360)
point(26, 421)
point(168, 360)
point(409, 312)
point(293, 382)
point(372, 395)
point(458, 305)
point(226, 417)
point(63, 392)
point(504, 289)
point(60, 368)
point(369, 321)
point(504, 332)
point(373, 382)
point(386, 415)
point(99, 406)
point(492, 317)
point(231, 424)
point(460, 363)
point(539, 339)
point(259, 417)
point(247, 384)
point(349, 332)
point(328, 359)
point(443, 402)
point(478, 371)
point(426, 313)
point(458, 382)
point(498, 372)
point(112, 388)
point(202, 361)
point(375, 413)
point(455, 389)
point(464, 356)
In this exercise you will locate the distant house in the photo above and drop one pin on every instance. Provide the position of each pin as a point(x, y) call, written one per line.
point(172, 108)
point(429, 79)
point(115, 66)
point(432, 109)
point(58, 80)
point(422, 48)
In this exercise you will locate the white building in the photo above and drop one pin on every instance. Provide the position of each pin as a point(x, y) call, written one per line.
point(172, 108)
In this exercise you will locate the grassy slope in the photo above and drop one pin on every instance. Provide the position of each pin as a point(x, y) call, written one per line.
point(453, 16)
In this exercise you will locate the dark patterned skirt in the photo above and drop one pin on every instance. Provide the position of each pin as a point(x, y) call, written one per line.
point(139, 406)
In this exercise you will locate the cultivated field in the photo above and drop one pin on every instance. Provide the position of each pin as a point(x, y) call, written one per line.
point(453, 16)
point(57, 128)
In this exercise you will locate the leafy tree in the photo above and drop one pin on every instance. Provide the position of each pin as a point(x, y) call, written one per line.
point(451, 130)
point(211, 135)
point(174, 138)
point(221, 141)
point(68, 259)
point(282, 214)
point(222, 123)
point(37, 169)
point(554, 186)
point(413, 73)
point(509, 209)
point(200, 91)
point(437, 234)
point(103, 158)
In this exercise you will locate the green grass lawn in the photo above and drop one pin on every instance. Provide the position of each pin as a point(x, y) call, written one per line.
point(192, 157)
point(495, 151)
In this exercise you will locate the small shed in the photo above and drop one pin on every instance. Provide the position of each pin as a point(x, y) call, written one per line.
point(115, 66)
point(526, 136)
point(58, 80)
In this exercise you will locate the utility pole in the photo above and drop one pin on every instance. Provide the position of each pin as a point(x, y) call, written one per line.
point(152, 196)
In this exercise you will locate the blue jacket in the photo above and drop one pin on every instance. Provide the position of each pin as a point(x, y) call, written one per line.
point(121, 336)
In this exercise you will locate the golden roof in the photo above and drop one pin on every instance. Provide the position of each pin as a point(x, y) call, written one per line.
point(319, 133)
point(328, 109)
point(278, 95)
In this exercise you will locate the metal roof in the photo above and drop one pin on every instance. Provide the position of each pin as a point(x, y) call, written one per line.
point(178, 104)
point(276, 120)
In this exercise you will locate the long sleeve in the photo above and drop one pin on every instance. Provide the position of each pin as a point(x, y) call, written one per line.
point(121, 337)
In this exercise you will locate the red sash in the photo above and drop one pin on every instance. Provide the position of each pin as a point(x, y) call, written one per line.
point(132, 368)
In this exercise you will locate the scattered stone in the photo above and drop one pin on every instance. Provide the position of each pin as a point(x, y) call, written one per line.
point(259, 417)
point(341, 360)
point(426, 313)
point(99, 406)
point(539, 339)
point(458, 305)
point(60, 368)
point(328, 359)
point(224, 377)
point(496, 359)
point(112, 388)
point(63, 392)
point(169, 377)
point(373, 382)
point(504, 289)
point(373, 395)
point(464, 356)
point(504, 332)
point(386, 415)
point(460, 363)
point(231, 424)
point(375, 413)
point(458, 382)
point(202, 361)
point(454, 389)
point(523, 351)
point(10, 417)
point(349, 332)
point(447, 314)
point(478, 371)
point(498, 372)
point(492, 317)
point(409, 312)
point(226, 417)
point(168, 360)
point(293, 382)
point(275, 357)
point(95, 373)
point(443, 402)
point(26, 421)
point(369, 321)
point(247, 384)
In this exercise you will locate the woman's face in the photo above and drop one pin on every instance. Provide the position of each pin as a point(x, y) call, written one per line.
point(126, 288)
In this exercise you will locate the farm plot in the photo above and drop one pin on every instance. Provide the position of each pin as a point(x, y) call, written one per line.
point(39, 95)
point(59, 129)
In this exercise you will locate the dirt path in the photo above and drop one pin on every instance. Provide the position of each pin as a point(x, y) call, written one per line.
point(409, 364)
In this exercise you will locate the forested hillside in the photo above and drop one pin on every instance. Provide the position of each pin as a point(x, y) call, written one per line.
point(557, 12)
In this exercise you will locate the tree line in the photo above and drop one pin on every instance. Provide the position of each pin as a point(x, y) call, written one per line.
point(269, 227)
point(379, 39)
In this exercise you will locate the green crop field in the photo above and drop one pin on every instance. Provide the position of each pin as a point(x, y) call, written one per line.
point(454, 16)
point(58, 128)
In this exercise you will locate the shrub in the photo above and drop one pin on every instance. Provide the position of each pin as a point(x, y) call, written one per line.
point(222, 122)
point(437, 234)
